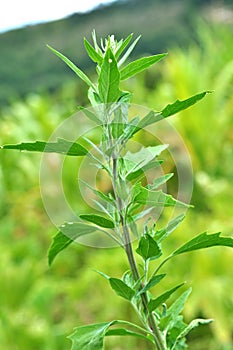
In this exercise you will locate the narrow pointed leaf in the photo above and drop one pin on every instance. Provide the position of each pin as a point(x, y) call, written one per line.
point(98, 220)
point(72, 66)
point(172, 225)
point(178, 105)
point(148, 248)
point(128, 52)
point(109, 79)
point(139, 65)
point(204, 240)
point(121, 288)
point(66, 235)
point(140, 172)
point(171, 109)
point(174, 310)
point(90, 115)
point(61, 146)
point(154, 303)
point(93, 54)
point(160, 181)
point(152, 282)
point(123, 45)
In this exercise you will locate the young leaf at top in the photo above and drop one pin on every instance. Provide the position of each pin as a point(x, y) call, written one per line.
point(139, 65)
point(204, 240)
point(109, 79)
point(61, 146)
point(93, 54)
point(98, 220)
point(128, 52)
point(148, 248)
point(66, 235)
point(154, 303)
point(72, 66)
point(123, 45)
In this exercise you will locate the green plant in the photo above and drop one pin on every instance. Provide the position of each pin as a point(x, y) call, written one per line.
point(130, 199)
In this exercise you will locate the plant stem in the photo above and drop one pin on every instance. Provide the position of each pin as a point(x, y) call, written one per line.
point(132, 262)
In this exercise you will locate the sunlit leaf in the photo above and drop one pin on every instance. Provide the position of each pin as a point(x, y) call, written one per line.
point(159, 181)
point(172, 225)
point(98, 220)
point(178, 105)
point(204, 240)
point(93, 54)
point(90, 337)
point(61, 146)
point(70, 64)
point(109, 79)
point(148, 248)
point(139, 65)
point(123, 45)
point(66, 235)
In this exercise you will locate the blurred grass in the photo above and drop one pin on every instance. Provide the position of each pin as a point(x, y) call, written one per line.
point(40, 305)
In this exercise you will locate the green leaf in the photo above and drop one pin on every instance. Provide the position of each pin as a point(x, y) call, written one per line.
point(157, 199)
point(160, 181)
point(121, 288)
point(152, 282)
point(140, 159)
point(204, 240)
point(151, 118)
point(123, 45)
point(148, 248)
point(140, 172)
point(128, 52)
point(66, 235)
point(125, 332)
point(139, 65)
point(170, 320)
point(61, 146)
point(90, 337)
point(70, 64)
point(178, 105)
point(193, 324)
point(93, 54)
point(98, 220)
point(171, 109)
point(109, 79)
point(154, 303)
point(172, 225)
point(90, 115)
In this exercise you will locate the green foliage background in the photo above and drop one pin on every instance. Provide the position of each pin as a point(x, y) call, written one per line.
point(40, 305)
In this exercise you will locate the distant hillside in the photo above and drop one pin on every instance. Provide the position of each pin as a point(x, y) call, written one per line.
point(26, 65)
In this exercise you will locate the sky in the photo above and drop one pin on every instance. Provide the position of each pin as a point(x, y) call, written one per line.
point(18, 13)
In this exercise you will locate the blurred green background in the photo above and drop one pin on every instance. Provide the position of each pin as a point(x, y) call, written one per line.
point(39, 306)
